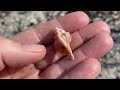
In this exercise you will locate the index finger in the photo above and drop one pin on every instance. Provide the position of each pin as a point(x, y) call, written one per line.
point(44, 33)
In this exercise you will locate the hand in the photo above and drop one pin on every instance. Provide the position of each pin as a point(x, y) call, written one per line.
point(91, 41)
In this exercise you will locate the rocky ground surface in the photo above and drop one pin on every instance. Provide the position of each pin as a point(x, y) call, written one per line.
point(13, 22)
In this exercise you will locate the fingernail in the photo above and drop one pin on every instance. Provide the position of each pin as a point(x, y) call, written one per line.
point(34, 48)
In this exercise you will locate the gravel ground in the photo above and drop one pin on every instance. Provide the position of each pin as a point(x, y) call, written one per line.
point(13, 22)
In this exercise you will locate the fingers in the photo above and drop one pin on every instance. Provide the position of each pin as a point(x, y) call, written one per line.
point(63, 66)
point(44, 33)
point(88, 69)
point(88, 50)
point(78, 39)
point(16, 55)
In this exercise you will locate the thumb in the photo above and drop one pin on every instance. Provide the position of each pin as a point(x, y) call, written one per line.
point(14, 54)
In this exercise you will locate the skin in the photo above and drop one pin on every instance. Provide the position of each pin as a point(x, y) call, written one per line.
point(91, 41)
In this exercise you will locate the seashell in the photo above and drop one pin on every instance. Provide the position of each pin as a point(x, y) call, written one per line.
point(62, 42)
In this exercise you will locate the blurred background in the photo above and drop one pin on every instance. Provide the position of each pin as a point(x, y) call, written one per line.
point(13, 22)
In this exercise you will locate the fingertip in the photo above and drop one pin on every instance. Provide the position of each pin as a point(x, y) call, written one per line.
point(92, 67)
point(102, 26)
point(82, 17)
point(109, 42)
point(98, 46)
point(88, 69)
point(38, 56)
point(74, 21)
point(106, 42)
point(95, 66)
point(44, 52)
point(37, 51)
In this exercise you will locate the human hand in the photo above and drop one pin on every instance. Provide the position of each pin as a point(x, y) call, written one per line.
point(90, 41)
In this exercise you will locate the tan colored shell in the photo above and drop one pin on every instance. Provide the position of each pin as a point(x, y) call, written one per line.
point(64, 39)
